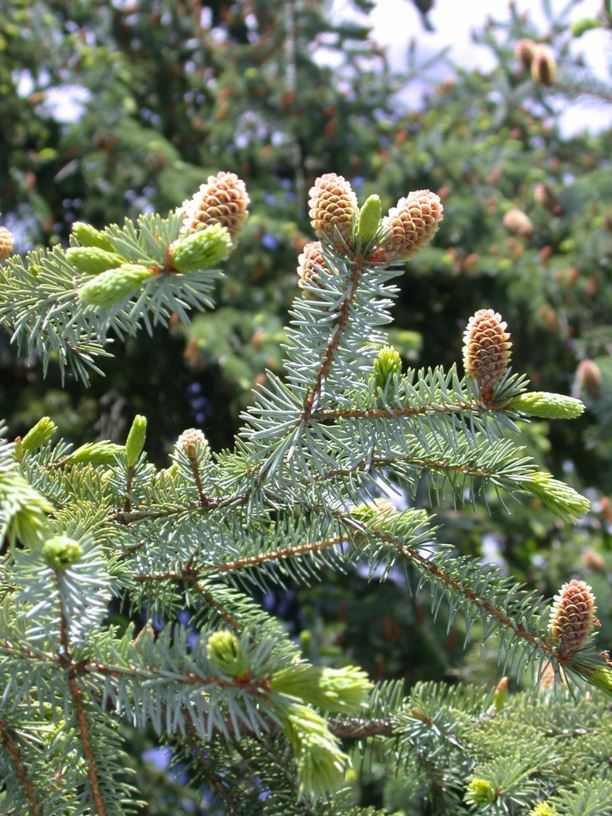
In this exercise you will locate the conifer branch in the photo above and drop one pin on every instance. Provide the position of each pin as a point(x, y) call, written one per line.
point(20, 771)
point(79, 710)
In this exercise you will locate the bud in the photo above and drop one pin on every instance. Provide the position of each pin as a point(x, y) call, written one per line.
point(114, 285)
point(226, 653)
point(543, 66)
point(409, 226)
point(601, 677)
point(136, 439)
point(92, 260)
point(340, 690)
point(542, 809)
point(369, 218)
point(588, 377)
point(95, 453)
point(580, 27)
point(61, 552)
point(480, 792)
point(24, 510)
point(320, 761)
point(486, 350)
point(192, 442)
point(516, 222)
point(222, 200)
point(372, 511)
point(500, 694)
point(572, 617)
point(38, 435)
point(557, 496)
point(524, 51)
point(7, 242)
point(201, 250)
point(333, 207)
point(89, 236)
point(387, 364)
point(547, 406)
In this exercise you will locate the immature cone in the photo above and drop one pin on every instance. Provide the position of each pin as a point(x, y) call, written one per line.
point(308, 261)
point(543, 66)
point(6, 243)
point(516, 222)
point(486, 350)
point(524, 51)
point(191, 442)
point(222, 200)
point(227, 654)
point(61, 552)
point(588, 377)
point(333, 206)
point(480, 792)
point(572, 616)
point(409, 226)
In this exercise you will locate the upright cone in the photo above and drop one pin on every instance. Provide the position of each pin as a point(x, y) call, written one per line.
point(333, 206)
point(572, 616)
point(486, 350)
point(222, 200)
point(7, 243)
point(409, 226)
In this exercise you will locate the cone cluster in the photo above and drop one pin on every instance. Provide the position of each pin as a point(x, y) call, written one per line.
point(538, 59)
point(572, 616)
point(486, 350)
point(222, 200)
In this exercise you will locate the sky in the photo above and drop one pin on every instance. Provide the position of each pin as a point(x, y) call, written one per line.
point(395, 22)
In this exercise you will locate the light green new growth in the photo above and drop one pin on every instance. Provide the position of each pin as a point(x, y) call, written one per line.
point(547, 406)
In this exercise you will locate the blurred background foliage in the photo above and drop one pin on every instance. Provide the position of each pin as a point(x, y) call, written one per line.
point(111, 108)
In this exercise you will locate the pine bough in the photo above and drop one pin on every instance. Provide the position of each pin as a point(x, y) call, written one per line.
point(297, 496)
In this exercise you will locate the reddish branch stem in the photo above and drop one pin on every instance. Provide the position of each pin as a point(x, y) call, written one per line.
point(20, 771)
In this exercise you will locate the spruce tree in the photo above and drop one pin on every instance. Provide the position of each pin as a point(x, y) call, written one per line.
point(297, 498)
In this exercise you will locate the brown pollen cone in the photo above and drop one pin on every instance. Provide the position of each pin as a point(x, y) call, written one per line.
point(524, 51)
point(308, 261)
point(6, 243)
point(543, 66)
point(409, 226)
point(486, 350)
point(222, 200)
point(333, 206)
point(572, 616)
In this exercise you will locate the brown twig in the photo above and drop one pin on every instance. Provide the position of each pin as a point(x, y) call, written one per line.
point(20, 771)
point(77, 700)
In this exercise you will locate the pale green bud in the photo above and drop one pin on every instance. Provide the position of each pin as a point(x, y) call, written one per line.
point(89, 236)
point(92, 260)
point(340, 690)
point(547, 406)
point(480, 792)
point(320, 761)
point(201, 250)
point(136, 439)
point(385, 366)
point(601, 677)
point(500, 694)
point(95, 453)
point(556, 495)
point(114, 285)
point(38, 435)
point(226, 653)
point(24, 509)
point(543, 809)
point(580, 27)
point(369, 218)
point(61, 552)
